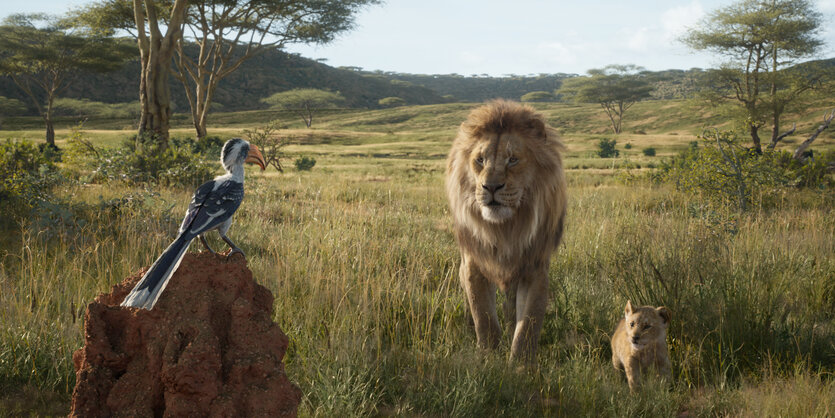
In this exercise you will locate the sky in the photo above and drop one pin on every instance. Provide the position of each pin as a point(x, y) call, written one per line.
point(498, 38)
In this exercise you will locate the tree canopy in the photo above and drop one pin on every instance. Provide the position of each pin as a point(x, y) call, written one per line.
point(225, 34)
point(41, 56)
point(538, 96)
point(306, 102)
point(760, 39)
point(615, 88)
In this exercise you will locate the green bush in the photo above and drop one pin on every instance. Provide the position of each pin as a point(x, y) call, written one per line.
point(724, 172)
point(627, 146)
point(145, 162)
point(304, 163)
point(209, 146)
point(649, 152)
point(26, 177)
point(606, 148)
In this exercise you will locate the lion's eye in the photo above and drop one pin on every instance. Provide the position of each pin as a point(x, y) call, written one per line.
point(632, 325)
point(512, 161)
point(480, 160)
point(647, 326)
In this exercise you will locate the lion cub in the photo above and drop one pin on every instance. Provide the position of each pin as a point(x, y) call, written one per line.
point(640, 343)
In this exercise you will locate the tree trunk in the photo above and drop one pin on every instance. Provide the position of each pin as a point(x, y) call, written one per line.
point(200, 127)
point(47, 117)
point(156, 51)
point(775, 128)
point(801, 150)
point(755, 138)
point(156, 109)
point(50, 133)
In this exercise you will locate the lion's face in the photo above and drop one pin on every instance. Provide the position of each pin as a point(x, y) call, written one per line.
point(501, 169)
point(645, 325)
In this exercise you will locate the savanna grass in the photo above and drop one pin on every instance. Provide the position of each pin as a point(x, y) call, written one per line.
point(360, 257)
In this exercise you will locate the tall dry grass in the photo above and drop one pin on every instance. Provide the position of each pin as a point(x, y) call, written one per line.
point(361, 260)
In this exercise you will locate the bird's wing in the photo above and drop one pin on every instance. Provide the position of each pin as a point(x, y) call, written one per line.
point(212, 204)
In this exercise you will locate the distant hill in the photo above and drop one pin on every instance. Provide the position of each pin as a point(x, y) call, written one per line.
point(276, 71)
point(478, 88)
point(259, 77)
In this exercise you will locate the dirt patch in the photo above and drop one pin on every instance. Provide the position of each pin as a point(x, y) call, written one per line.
point(208, 348)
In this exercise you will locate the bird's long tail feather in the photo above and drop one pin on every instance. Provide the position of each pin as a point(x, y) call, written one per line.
point(148, 290)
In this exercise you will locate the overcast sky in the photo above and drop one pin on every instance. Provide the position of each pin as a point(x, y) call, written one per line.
point(503, 37)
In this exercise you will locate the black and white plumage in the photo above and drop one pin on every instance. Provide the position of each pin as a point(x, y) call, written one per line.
point(211, 207)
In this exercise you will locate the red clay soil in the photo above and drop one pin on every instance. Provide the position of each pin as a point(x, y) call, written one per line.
point(208, 348)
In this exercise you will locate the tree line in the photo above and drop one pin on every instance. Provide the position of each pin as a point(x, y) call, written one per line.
point(227, 34)
point(199, 44)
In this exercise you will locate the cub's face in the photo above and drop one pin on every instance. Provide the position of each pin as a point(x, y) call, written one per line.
point(645, 325)
point(501, 168)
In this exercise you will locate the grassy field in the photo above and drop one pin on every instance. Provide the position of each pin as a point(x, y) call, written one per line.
point(360, 257)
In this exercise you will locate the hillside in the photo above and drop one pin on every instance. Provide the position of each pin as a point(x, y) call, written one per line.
point(259, 77)
point(275, 71)
point(478, 88)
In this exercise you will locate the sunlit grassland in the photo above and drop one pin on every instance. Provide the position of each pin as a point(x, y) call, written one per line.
point(360, 257)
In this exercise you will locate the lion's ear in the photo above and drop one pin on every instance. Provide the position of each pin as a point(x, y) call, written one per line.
point(628, 310)
point(537, 127)
point(665, 314)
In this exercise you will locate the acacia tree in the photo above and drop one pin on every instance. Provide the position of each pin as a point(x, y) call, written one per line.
point(761, 39)
point(157, 27)
point(214, 37)
point(615, 88)
point(305, 102)
point(41, 56)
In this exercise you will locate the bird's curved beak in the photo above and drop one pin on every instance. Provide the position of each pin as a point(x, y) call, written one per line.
point(254, 156)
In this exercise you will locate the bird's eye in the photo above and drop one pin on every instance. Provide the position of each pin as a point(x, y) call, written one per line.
point(512, 161)
point(480, 160)
point(632, 324)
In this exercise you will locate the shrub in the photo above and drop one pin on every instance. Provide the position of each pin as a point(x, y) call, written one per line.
point(723, 171)
point(79, 150)
point(606, 148)
point(649, 152)
point(26, 177)
point(208, 146)
point(269, 142)
point(627, 146)
point(144, 161)
point(304, 163)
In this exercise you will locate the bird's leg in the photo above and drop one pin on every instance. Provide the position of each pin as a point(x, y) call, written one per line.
point(235, 248)
point(206, 244)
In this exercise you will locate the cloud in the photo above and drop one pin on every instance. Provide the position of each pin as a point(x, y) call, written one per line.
point(640, 40)
point(826, 5)
point(559, 53)
point(677, 20)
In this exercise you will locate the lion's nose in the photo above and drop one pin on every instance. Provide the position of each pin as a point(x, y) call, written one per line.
point(492, 187)
point(635, 339)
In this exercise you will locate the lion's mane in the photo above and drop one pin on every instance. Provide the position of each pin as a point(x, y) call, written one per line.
point(535, 230)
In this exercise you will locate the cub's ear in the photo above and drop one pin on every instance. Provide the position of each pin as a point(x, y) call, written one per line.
point(665, 314)
point(628, 310)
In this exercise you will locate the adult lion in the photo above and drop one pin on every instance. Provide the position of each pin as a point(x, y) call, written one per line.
point(507, 194)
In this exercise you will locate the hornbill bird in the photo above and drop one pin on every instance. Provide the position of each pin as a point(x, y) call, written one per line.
point(211, 208)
